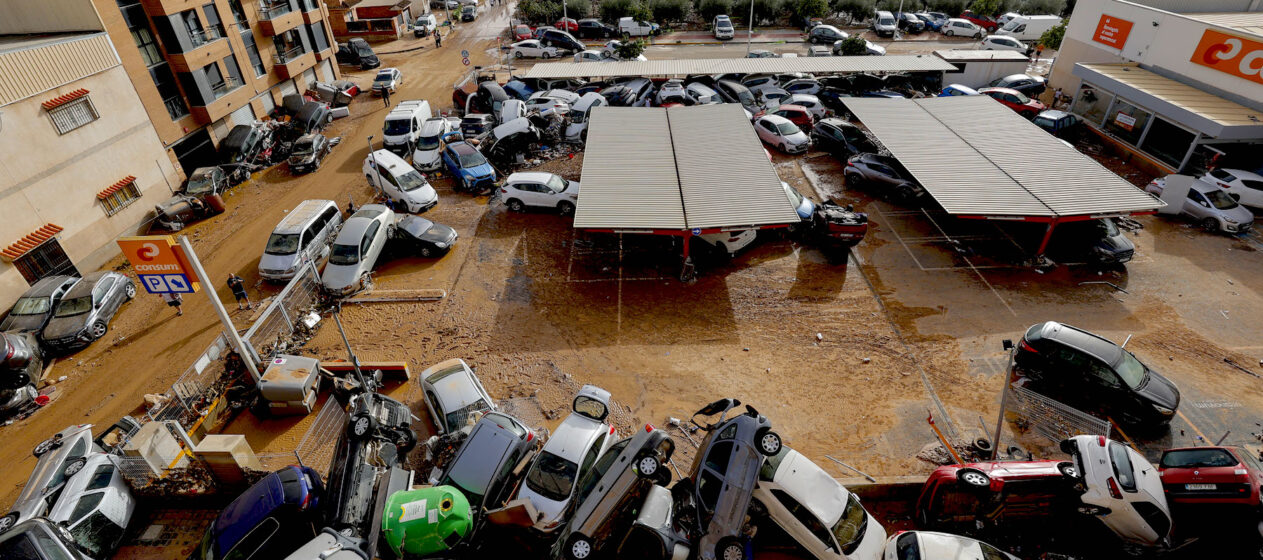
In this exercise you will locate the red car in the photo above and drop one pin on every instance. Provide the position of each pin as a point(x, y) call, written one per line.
point(522, 32)
point(957, 496)
point(1210, 475)
point(981, 21)
point(796, 114)
point(567, 24)
point(1015, 100)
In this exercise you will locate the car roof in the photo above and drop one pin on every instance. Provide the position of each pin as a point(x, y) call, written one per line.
point(487, 440)
point(1243, 174)
point(46, 286)
point(245, 512)
point(456, 390)
point(529, 177)
point(355, 226)
point(774, 119)
point(1053, 114)
point(998, 89)
point(295, 221)
point(462, 148)
point(433, 125)
point(573, 437)
point(1081, 340)
point(806, 482)
point(395, 164)
point(89, 281)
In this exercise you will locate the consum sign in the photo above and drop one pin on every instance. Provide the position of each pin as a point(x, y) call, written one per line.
point(1112, 31)
point(1230, 54)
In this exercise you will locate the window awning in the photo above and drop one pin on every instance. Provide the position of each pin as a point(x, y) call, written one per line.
point(64, 99)
point(30, 241)
point(116, 187)
point(1204, 112)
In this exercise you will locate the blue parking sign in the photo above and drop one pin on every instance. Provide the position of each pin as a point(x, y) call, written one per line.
point(166, 283)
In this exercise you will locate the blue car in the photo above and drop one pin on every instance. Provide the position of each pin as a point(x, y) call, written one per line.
point(957, 89)
point(282, 506)
point(473, 172)
point(518, 89)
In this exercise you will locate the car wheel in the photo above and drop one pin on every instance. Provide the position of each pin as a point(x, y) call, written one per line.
point(974, 478)
point(43, 447)
point(547, 56)
point(949, 33)
point(579, 547)
point(565, 208)
point(905, 194)
point(767, 442)
point(1211, 225)
point(365, 281)
point(98, 329)
point(74, 467)
point(730, 548)
point(130, 290)
point(362, 425)
point(979, 35)
point(1068, 470)
point(427, 252)
point(7, 522)
point(647, 465)
point(516, 205)
point(405, 440)
point(517, 54)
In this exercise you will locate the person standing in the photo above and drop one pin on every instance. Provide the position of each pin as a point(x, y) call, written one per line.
point(1039, 51)
point(1056, 98)
point(386, 96)
point(438, 38)
point(174, 300)
point(238, 287)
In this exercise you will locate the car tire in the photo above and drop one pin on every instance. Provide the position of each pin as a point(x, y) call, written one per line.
point(517, 54)
point(98, 329)
point(729, 548)
point(361, 426)
point(1068, 469)
point(515, 205)
point(579, 547)
point(974, 478)
point(7, 522)
point(565, 209)
point(853, 179)
point(427, 252)
point(130, 290)
point(1211, 225)
point(405, 440)
point(547, 56)
point(905, 194)
point(648, 465)
point(767, 442)
point(949, 33)
point(44, 447)
point(72, 468)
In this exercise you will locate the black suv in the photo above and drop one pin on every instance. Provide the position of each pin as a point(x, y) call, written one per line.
point(593, 28)
point(1093, 374)
point(1098, 242)
point(884, 173)
point(840, 138)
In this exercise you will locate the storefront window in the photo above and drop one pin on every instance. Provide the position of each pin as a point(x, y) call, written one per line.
point(1127, 122)
point(1167, 142)
point(1091, 104)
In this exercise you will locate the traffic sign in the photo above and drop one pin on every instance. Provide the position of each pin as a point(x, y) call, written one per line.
point(464, 53)
point(465, 61)
point(697, 231)
point(159, 264)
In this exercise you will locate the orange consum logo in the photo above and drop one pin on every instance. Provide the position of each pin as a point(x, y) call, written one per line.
point(1112, 31)
point(152, 254)
point(1230, 54)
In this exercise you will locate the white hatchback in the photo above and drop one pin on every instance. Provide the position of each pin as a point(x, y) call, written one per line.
point(1122, 489)
point(780, 132)
point(568, 455)
point(532, 48)
point(1244, 186)
point(928, 545)
point(543, 190)
point(1003, 43)
point(963, 28)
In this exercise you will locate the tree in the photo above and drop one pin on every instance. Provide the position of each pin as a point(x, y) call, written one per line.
point(1065, 12)
point(669, 10)
point(612, 10)
point(854, 9)
point(578, 9)
point(952, 8)
point(539, 11)
point(804, 10)
point(708, 9)
point(765, 10)
point(986, 7)
point(1043, 7)
point(629, 50)
point(853, 46)
point(1051, 39)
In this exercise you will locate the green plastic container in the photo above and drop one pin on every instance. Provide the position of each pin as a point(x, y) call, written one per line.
point(424, 521)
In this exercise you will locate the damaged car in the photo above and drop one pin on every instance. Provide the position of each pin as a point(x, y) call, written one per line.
point(31, 311)
point(1119, 487)
point(84, 314)
point(454, 395)
point(417, 235)
point(356, 249)
point(20, 370)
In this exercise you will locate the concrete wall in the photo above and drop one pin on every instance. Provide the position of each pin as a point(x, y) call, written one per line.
point(50, 178)
point(19, 17)
point(1161, 42)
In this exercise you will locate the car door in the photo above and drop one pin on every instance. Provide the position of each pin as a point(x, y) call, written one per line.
point(805, 528)
point(1109, 388)
point(1196, 205)
point(375, 240)
point(101, 298)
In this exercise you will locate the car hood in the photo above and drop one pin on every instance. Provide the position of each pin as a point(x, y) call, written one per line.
point(1240, 214)
point(549, 510)
point(1115, 244)
point(1160, 391)
point(302, 160)
point(23, 323)
point(423, 195)
point(479, 170)
point(340, 278)
point(426, 157)
point(797, 138)
point(438, 233)
point(278, 262)
point(65, 326)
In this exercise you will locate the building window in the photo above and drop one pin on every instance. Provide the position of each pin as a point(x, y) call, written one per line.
point(73, 115)
point(252, 51)
point(164, 80)
point(234, 70)
point(316, 34)
point(289, 45)
point(48, 259)
point(1167, 142)
point(1091, 104)
point(148, 46)
point(115, 201)
point(1127, 122)
point(238, 13)
point(214, 26)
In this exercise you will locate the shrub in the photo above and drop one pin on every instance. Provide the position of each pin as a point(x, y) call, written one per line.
point(708, 9)
point(669, 10)
point(612, 10)
point(986, 7)
point(952, 8)
point(578, 9)
point(539, 11)
point(1051, 39)
point(765, 10)
point(855, 10)
point(853, 46)
point(629, 50)
point(804, 10)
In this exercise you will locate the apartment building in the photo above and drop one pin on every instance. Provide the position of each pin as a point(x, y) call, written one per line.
point(202, 66)
point(80, 163)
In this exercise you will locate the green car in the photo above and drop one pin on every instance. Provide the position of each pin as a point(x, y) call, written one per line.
point(425, 520)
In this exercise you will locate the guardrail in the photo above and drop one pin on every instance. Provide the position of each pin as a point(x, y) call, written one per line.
point(1052, 419)
point(291, 54)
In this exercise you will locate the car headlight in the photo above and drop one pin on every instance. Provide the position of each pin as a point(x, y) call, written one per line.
point(1229, 220)
point(1164, 410)
point(441, 245)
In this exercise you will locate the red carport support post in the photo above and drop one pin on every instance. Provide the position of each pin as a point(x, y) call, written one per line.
point(1043, 245)
point(686, 268)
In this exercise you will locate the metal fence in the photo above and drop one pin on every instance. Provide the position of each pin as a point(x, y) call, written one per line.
point(281, 326)
point(316, 448)
point(193, 386)
point(154, 474)
point(1052, 419)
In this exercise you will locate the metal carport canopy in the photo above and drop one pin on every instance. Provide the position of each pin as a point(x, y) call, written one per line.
point(716, 66)
point(678, 169)
point(978, 158)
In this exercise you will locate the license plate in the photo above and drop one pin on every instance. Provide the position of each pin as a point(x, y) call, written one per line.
point(1199, 486)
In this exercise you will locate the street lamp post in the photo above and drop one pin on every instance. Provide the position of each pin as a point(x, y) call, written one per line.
point(750, 30)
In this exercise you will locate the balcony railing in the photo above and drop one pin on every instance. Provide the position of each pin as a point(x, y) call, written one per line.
point(309, 5)
point(176, 107)
point(207, 35)
point(291, 54)
point(222, 89)
point(273, 10)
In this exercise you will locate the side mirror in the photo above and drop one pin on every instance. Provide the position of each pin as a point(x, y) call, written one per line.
point(1204, 203)
point(1007, 344)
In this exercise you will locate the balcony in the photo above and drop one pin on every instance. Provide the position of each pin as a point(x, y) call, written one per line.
point(292, 62)
point(228, 97)
point(205, 36)
point(277, 17)
point(176, 107)
point(208, 47)
point(225, 87)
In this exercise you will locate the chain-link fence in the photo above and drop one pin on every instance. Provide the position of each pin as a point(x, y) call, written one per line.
point(1052, 419)
point(198, 385)
point(318, 445)
point(153, 472)
point(283, 323)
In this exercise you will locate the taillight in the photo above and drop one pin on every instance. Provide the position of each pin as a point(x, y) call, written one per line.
point(1101, 440)
point(1113, 486)
point(1026, 347)
point(611, 429)
point(504, 190)
point(530, 436)
point(850, 164)
point(648, 428)
point(306, 500)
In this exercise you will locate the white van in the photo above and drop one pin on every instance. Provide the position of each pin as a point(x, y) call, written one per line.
point(884, 24)
point(303, 235)
point(403, 125)
point(1028, 28)
point(578, 126)
point(511, 109)
point(403, 184)
point(631, 27)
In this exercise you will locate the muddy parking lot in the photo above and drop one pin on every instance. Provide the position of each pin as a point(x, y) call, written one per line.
point(846, 358)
